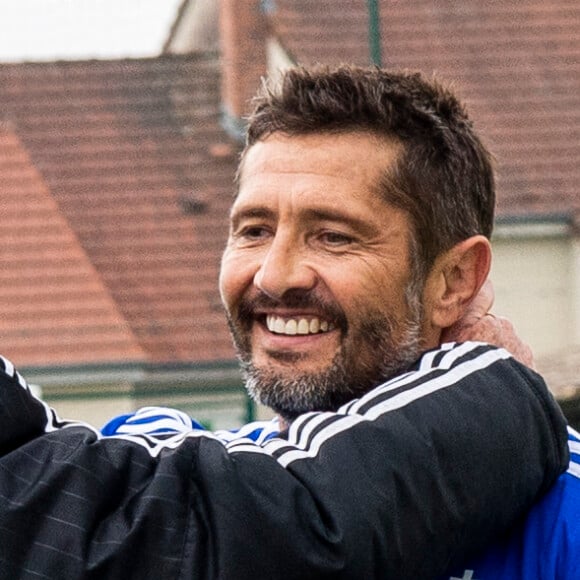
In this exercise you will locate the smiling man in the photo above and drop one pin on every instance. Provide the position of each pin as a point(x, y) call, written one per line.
point(317, 275)
point(359, 235)
point(324, 276)
point(359, 238)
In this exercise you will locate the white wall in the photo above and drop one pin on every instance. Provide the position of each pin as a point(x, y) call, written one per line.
point(96, 411)
point(536, 274)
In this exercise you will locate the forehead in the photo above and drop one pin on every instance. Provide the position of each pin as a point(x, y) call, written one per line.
point(341, 167)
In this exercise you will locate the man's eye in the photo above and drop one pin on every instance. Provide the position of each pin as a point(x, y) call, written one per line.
point(253, 233)
point(336, 239)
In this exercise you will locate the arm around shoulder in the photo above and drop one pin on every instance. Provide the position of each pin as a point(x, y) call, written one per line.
point(397, 484)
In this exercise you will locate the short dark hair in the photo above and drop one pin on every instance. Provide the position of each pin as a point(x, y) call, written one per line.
point(443, 178)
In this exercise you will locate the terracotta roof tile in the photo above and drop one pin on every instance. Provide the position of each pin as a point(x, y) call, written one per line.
point(128, 157)
point(55, 307)
point(516, 63)
point(127, 150)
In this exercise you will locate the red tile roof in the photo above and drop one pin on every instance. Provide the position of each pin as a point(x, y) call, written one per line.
point(129, 156)
point(516, 63)
point(54, 304)
point(122, 176)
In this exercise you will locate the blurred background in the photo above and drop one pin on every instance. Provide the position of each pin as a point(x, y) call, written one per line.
point(120, 129)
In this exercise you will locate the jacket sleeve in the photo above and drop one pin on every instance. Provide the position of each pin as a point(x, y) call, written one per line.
point(413, 478)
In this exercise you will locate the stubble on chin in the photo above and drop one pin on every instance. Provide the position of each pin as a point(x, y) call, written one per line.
point(348, 376)
point(292, 393)
point(381, 348)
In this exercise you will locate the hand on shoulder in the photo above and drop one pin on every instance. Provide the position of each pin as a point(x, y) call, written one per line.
point(479, 324)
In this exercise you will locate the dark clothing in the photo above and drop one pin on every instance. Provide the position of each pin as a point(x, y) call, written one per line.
point(543, 546)
point(414, 477)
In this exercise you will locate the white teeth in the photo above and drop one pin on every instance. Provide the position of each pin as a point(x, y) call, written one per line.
point(293, 326)
point(303, 326)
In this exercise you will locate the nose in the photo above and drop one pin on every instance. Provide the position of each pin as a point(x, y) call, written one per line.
point(284, 267)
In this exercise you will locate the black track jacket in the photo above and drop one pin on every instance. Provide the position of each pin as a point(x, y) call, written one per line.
point(415, 476)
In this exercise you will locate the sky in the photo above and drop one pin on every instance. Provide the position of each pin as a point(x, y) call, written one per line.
point(40, 30)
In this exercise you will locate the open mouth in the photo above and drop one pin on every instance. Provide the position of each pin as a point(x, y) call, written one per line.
point(298, 325)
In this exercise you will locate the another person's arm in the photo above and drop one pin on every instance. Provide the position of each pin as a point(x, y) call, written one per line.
point(413, 477)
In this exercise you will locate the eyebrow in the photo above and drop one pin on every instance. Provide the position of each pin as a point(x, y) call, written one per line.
point(307, 215)
point(359, 224)
point(256, 212)
point(332, 215)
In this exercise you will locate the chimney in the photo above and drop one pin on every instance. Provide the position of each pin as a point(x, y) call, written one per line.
point(243, 47)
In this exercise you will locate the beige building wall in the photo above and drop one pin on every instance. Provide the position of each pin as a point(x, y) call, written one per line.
point(96, 412)
point(575, 280)
point(536, 274)
point(212, 394)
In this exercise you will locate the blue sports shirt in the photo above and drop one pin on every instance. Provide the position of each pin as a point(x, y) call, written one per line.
point(544, 546)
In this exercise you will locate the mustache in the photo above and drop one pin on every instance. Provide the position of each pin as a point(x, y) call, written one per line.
point(298, 299)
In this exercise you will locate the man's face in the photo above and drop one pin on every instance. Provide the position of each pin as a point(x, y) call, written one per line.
point(316, 276)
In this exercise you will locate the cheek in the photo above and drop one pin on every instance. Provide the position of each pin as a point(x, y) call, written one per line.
point(236, 276)
point(375, 289)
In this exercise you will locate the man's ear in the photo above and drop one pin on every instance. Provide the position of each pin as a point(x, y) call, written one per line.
point(455, 279)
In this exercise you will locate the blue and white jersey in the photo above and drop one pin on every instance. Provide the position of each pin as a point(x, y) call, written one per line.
point(546, 546)
point(165, 421)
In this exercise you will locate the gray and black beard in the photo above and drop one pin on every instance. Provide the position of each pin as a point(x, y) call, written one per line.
point(349, 376)
point(292, 394)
